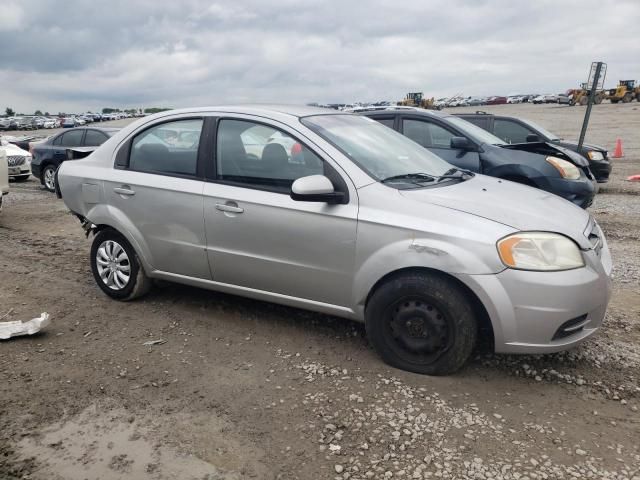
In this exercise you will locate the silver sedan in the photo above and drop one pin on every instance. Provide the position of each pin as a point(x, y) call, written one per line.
point(345, 216)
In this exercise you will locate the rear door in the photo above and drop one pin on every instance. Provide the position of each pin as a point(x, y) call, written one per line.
point(156, 188)
point(437, 138)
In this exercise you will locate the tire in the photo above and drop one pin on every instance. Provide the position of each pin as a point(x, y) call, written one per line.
point(422, 323)
point(597, 100)
point(22, 178)
point(584, 101)
point(126, 280)
point(48, 177)
point(627, 98)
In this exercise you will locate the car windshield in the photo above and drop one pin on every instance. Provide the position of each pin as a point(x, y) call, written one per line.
point(480, 135)
point(380, 151)
point(544, 132)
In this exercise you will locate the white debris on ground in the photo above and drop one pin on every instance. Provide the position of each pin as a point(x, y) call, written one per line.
point(17, 328)
point(410, 432)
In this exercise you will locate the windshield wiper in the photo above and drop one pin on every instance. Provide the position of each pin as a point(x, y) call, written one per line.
point(422, 177)
point(455, 173)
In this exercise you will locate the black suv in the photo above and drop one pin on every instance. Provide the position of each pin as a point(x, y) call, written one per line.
point(542, 165)
point(519, 130)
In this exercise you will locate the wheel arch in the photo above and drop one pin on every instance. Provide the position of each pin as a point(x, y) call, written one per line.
point(485, 326)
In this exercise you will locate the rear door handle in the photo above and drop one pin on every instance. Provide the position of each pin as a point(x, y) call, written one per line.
point(124, 191)
point(224, 207)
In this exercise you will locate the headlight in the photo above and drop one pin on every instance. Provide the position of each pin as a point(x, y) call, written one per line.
point(542, 251)
point(27, 159)
point(566, 169)
point(593, 155)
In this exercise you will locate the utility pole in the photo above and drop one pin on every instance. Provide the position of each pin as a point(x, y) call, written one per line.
point(598, 69)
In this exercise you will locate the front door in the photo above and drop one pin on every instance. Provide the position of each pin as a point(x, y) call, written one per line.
point(437, 139)
point(257, 236)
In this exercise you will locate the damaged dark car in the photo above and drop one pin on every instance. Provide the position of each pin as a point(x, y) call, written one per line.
point(542, 165)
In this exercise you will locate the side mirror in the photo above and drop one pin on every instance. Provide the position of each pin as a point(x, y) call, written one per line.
point(315, 188)
point(533, 138)
point(461, 143)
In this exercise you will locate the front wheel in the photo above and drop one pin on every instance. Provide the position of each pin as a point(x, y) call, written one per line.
point(422, 323)
point(49, 178)
point(116, 267)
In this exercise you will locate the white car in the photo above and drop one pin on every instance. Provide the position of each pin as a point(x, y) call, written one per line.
point(49, 123)
point(4, 176)
point(18, 161)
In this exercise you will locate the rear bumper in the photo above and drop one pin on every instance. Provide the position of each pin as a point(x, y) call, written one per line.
point(528, 310)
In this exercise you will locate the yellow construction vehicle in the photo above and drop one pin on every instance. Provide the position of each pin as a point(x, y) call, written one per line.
point(416, 99)
point(624, 92)
point(580, 96)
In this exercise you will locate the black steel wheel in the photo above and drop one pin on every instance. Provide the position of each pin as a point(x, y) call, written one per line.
point(422, 323)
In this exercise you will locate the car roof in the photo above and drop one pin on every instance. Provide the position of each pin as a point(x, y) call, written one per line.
point(298, 111)
point(416, 111)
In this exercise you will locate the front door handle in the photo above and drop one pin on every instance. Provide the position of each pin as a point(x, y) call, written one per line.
point(124, 191)
point(226, 207)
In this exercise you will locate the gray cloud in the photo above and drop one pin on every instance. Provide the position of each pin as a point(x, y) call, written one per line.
point(77, 55)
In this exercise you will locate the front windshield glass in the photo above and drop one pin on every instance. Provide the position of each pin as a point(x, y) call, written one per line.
point(480, 135)
point(377, 149)
point(544, 132)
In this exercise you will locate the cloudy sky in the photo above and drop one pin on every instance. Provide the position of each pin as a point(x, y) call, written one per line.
point(77, 55)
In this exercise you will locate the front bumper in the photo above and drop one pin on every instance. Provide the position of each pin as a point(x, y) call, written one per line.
point(601, 169)
point(529, 309)
point(581, 192)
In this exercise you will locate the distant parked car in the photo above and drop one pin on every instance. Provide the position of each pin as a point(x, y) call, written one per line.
point(520, 130)
point(496, 100)
point(49, 154)
point(563, 99)
point(464, 145)
point(7, 124)
point(18, 161)
point(4, 176)
point(546, 98)
point(514, 99)
point(69, 122)
point(49, 123)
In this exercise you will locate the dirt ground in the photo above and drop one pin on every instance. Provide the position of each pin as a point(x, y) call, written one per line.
point(243, 389)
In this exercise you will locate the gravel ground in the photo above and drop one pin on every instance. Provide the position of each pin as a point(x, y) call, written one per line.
point(244, 389)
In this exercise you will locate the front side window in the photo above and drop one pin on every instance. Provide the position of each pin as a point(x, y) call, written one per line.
point(378, 150)
point(72, 138)
point(427, 134)
point(511, 132)
point(169, 148)
point(261, 156)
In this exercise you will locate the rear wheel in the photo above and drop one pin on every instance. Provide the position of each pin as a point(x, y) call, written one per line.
point(422, 323)
point(584, 100)
point(627, 97)
point(598, 100)
point(116, 267)
point(49, 178)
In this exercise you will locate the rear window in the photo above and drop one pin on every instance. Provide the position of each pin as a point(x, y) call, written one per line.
point(94, 138)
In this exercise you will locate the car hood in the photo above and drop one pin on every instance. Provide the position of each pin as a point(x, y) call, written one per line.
point(12, 149)
point(585, 146)
point(548, 148)
point(518, 206)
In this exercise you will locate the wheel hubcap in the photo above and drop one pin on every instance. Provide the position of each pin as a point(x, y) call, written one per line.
point(418, 330)
point(49, 178)
point(113, 265)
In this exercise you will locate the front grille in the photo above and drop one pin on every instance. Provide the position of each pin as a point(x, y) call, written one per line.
point(16, 160)
point(571, 327)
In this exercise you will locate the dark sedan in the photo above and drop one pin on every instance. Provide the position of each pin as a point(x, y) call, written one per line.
point(467, 146)
point(49, 154)
point(519, 130)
